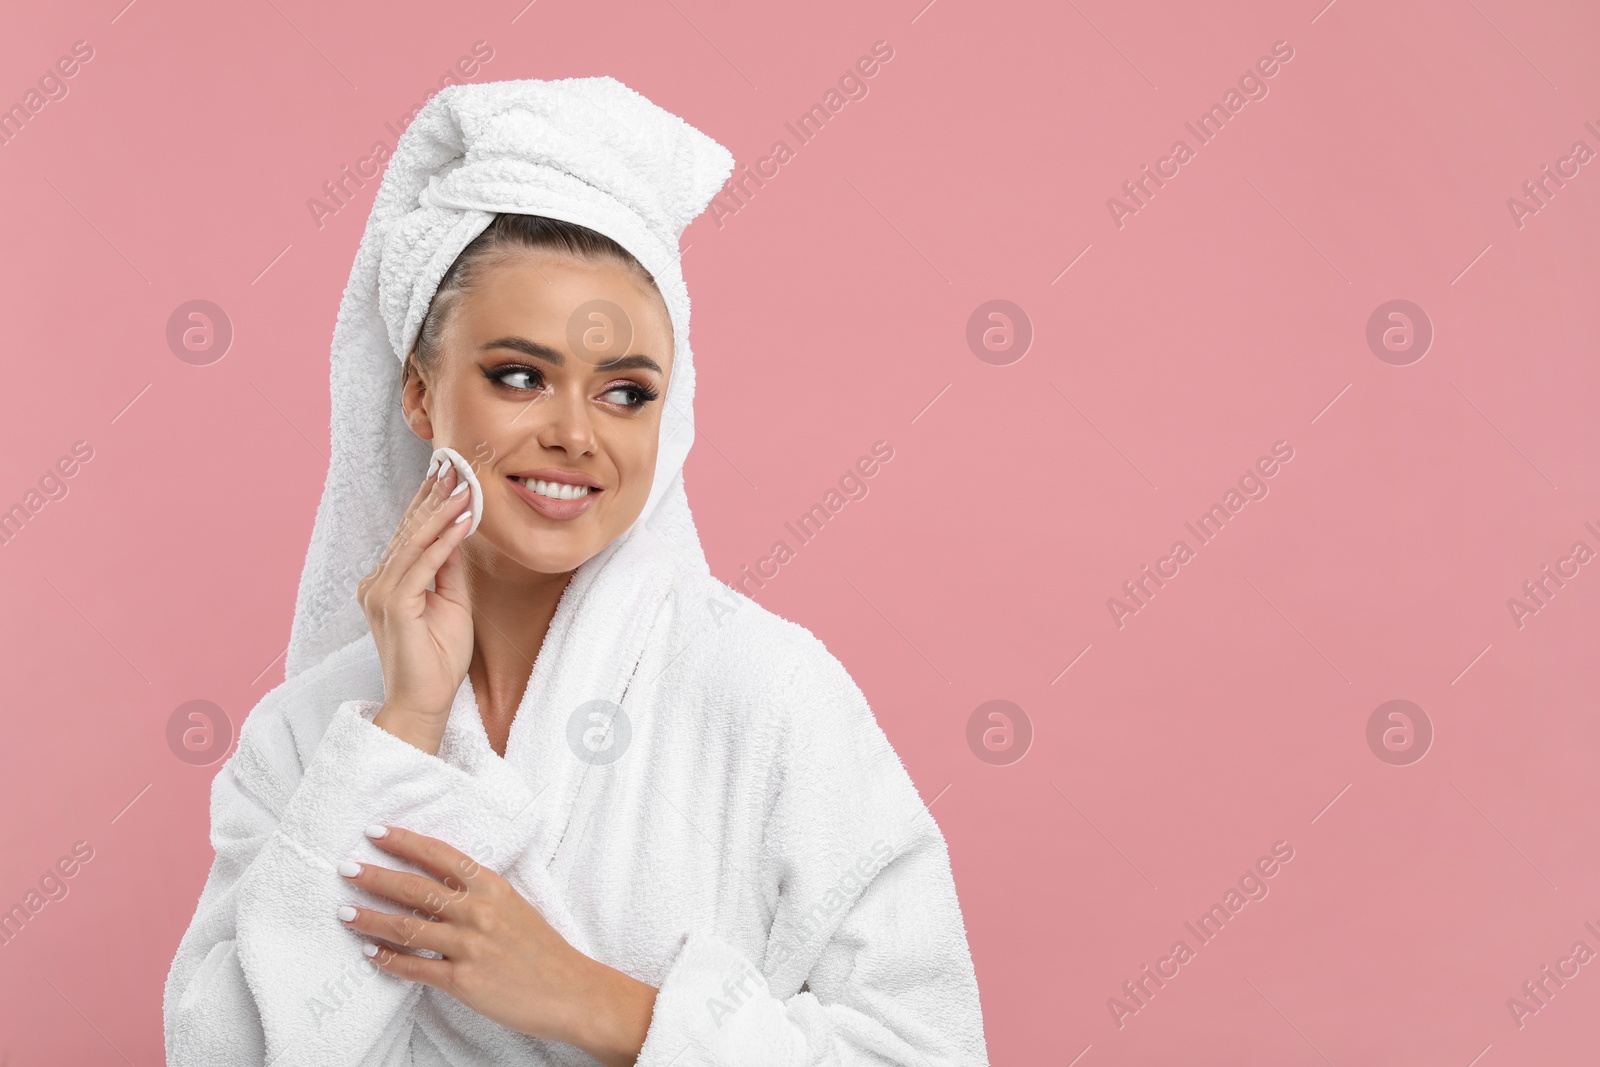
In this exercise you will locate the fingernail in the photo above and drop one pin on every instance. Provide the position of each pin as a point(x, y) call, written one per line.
point(462, 517)
point(347, 914)
point(460, 488)
point(349, 868)
point(377, 830)
point(370, 950)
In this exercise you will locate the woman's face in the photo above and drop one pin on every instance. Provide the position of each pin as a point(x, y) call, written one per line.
point(552, 374)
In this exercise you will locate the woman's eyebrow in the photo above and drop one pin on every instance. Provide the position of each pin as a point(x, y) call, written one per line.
point(550, 355)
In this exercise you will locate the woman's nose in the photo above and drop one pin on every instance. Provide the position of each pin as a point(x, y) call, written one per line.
point(568, 422)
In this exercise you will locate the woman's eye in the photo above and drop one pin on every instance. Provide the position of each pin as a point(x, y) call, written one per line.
point(630, 395)
point(633, 395)
point(519, 377)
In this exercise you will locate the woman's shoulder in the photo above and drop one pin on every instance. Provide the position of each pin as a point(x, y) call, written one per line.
point(731, 652)
point(831, 756)
point(730, 639)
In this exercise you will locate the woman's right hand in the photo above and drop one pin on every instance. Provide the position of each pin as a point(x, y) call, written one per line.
point(424, 637)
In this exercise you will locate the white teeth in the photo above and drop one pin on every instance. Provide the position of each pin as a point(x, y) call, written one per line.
point(555, 490)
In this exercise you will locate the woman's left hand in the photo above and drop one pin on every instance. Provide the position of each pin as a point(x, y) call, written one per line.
point(501, 958)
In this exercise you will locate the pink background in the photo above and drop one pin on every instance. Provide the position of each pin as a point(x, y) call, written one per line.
point(831, 311)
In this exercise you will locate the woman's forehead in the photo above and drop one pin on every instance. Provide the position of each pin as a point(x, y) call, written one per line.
point(594, 305)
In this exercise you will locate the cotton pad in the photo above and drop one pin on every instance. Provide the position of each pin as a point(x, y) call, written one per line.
point(463, 470)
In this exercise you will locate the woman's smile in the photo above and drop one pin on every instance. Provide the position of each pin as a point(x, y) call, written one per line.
point(556, 494)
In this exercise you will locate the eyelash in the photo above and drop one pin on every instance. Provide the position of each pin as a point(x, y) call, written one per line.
point(497, 374)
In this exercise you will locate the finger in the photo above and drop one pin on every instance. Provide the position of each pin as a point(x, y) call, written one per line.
point(439, 858)
point(436, 973)
point(404, 931)
point(402, 887)
point(433, 514)
point(425, 486)
point(428, 482)
point(428, 488)
point(432, 559)
point(415, 520)
point(450, 581)
point(418, 531)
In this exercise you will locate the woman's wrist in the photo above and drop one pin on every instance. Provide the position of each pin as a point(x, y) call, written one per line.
point(410, 728)
point(612, 1015)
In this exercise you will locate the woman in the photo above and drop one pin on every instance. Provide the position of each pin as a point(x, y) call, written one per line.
point(579, 800)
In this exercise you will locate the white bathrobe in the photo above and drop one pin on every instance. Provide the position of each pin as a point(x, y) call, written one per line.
point(744, 837)
point(757, 852)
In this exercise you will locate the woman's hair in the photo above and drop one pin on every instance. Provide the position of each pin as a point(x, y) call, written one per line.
point(505, 237)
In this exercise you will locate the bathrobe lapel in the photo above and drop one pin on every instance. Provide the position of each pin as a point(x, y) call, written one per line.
point(581, 677)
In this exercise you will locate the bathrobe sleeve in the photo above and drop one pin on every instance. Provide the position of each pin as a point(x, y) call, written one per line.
point(866, 926)
point(266, 972)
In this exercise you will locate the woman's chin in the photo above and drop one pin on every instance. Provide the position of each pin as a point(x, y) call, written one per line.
point(545, 552)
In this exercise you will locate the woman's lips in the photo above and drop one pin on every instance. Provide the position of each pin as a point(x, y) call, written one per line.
point(551, 508)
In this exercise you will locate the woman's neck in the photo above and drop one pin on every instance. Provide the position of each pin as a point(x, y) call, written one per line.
point(511, 614)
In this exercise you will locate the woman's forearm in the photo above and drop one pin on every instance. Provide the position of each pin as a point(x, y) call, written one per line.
point(612, 1016)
